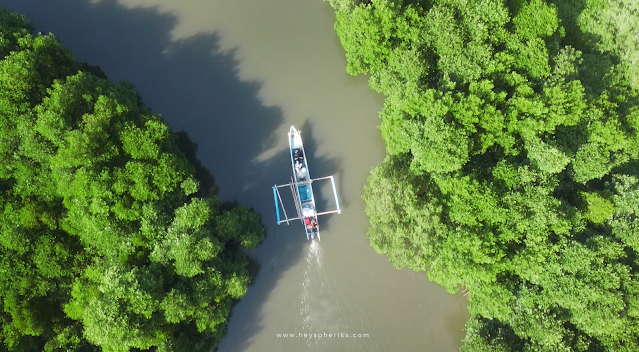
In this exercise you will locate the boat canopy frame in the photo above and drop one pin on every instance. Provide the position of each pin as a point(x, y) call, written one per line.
point(292, 185)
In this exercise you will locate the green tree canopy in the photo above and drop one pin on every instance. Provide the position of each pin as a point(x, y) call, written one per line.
point(511, 129)
point(103, 241)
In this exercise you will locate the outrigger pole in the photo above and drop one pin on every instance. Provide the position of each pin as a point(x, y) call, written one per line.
point(277, 208)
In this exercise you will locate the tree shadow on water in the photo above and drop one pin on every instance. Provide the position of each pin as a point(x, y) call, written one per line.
point(196, 88)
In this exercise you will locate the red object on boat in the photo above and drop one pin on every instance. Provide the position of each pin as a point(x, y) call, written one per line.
point(307, 221)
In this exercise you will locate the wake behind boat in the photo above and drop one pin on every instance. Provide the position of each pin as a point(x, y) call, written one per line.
point(301, 186)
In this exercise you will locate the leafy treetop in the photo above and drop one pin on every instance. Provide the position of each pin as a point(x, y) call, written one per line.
point(511, 129)
point(104, 243)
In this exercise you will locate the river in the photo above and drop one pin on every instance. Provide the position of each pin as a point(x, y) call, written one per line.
point(236, 75)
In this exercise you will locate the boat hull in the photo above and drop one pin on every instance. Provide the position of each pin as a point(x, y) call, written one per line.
point(303, 188)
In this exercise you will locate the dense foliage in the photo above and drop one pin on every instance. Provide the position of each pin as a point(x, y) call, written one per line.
point(103, 241)
point(512, 171)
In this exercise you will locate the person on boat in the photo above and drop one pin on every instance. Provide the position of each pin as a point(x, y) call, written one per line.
point(307, 212)
point(314, 225)
point(301, 173)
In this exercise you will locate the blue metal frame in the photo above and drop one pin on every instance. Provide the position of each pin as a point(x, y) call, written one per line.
point(277, 207)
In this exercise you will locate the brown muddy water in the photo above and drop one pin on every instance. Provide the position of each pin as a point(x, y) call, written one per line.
point(236, 75)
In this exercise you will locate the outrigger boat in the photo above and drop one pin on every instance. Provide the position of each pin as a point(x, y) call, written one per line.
point(301, 186)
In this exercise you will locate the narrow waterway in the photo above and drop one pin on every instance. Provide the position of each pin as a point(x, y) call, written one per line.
point(236, 75)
